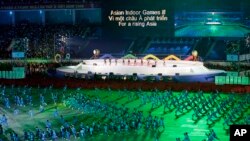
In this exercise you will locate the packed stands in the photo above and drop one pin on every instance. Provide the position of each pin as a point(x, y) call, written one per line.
point(41, 38)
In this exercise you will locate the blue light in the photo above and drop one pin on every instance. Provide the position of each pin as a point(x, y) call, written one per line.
point(11, 12)
point(41, 11)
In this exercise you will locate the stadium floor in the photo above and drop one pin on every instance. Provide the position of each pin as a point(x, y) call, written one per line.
point(212, 31)
point(174, 126)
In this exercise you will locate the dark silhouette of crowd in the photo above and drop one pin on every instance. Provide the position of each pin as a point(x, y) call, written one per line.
point(41, 39)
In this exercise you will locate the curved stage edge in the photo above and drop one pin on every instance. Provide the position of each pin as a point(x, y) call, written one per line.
point(34, 81)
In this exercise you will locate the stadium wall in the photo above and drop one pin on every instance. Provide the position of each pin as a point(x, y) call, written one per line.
point(51, 16)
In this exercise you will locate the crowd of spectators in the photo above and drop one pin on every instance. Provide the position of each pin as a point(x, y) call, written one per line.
point(177, 46)
point(41, 39)
point(44, 68)
point(230, 67)
point(33, 67)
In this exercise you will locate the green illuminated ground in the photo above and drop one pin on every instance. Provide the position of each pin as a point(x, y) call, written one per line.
point(175, 127)
point(212, 31)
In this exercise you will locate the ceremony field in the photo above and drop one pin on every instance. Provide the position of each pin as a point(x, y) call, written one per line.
point(175, 126)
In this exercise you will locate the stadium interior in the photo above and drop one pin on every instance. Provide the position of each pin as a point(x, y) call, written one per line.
point(127, 70)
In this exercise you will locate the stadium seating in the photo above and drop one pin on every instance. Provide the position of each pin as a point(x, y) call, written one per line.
point(41, 38)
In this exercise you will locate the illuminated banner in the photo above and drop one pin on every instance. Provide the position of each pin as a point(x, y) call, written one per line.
point(237, 80)
point(17, 54)
point(232, 57)
point(244, 57)
point(16, 73)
